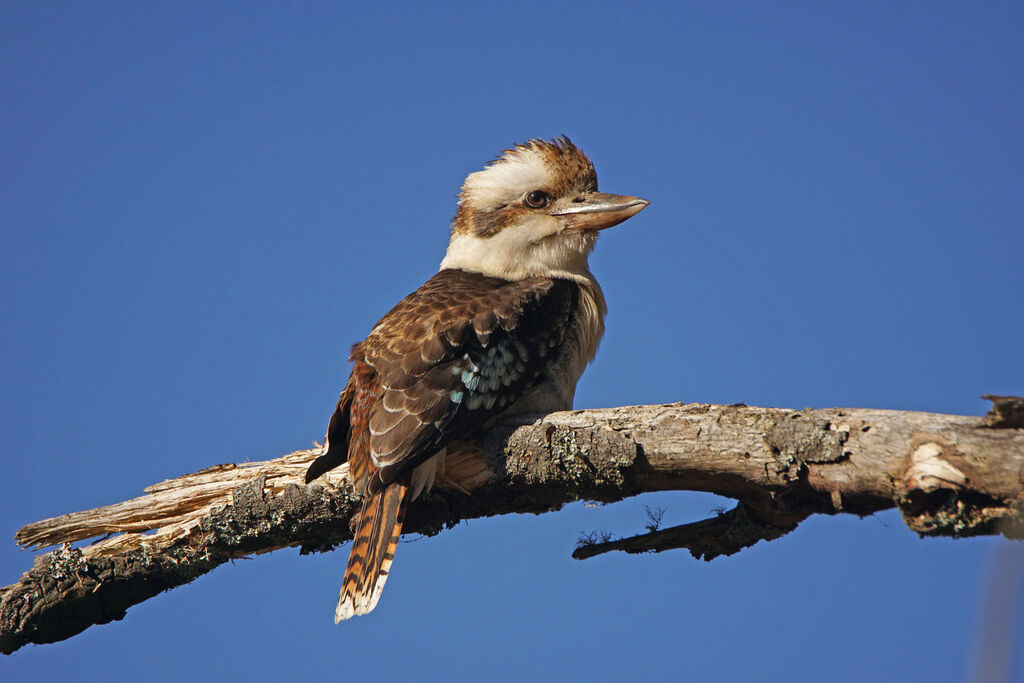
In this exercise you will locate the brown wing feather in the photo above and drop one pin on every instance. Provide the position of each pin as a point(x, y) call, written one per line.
point(455, 353)
point(365, 395)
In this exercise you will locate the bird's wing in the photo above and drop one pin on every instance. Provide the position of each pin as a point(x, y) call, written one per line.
point(457, 351)
point(336, 443)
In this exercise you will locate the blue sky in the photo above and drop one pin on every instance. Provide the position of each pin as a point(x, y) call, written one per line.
point(202, 205)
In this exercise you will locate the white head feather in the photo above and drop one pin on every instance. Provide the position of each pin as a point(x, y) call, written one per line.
point(525, 243)
point(506, 180)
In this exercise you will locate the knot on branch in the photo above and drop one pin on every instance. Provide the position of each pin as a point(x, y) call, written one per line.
point(934, 495)
point(798, 440)
point(594, 461)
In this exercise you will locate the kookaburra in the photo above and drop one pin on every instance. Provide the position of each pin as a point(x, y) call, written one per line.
point(506, 326)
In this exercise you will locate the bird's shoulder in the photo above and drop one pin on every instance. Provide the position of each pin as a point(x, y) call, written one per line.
point(456, 307)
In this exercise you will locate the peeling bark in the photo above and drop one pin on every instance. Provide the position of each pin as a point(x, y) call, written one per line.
point(949, 475)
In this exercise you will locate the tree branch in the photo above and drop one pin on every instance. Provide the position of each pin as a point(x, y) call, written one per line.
point(948, 475)
point(726, 534)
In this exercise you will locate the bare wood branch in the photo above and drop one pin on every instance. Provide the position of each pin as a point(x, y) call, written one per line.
point(949, 475)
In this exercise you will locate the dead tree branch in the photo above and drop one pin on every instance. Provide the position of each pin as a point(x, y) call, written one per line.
point(949, 475)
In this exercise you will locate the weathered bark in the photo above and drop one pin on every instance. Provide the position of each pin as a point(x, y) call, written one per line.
point(948, 475)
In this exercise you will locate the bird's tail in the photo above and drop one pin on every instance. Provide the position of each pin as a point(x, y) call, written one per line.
point(373, 549)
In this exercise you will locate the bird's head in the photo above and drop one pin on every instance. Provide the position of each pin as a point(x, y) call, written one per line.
point(533, 211)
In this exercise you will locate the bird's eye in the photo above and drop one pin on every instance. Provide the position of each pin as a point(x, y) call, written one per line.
point(537, 199)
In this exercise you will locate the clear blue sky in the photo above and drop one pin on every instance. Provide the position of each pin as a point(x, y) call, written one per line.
point(203, 204)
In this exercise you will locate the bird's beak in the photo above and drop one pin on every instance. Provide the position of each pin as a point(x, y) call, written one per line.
point(598, 211)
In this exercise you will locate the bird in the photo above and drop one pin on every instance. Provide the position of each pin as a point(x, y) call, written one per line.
point(506, 326)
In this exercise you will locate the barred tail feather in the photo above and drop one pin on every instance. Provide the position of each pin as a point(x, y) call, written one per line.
point(373, 550)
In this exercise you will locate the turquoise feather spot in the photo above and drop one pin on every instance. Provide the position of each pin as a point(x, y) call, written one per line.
point(456, 396)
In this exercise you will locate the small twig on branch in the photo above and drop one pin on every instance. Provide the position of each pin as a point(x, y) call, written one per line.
point(948, 475)
point(654, 518)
